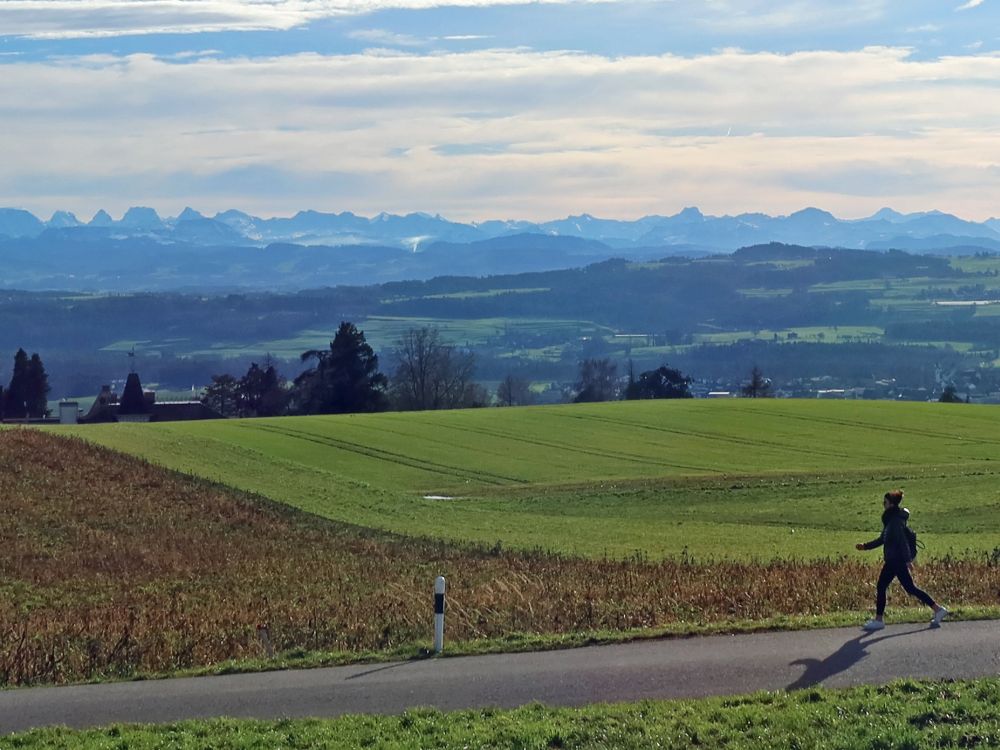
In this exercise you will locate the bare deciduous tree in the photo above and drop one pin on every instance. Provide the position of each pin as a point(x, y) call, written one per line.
point(514, 391)
point(598, 381)
point(431, 374)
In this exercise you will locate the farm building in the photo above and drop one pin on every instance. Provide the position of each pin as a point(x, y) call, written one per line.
point(138, 405)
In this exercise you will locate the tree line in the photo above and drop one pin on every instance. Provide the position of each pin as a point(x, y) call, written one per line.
point(599, 381)
point(428, 374)
point(27, 394)
point(345, 378)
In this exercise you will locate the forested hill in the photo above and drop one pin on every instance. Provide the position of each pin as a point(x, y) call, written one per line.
point(685, 310)
point(106, 264)
point(763, 286)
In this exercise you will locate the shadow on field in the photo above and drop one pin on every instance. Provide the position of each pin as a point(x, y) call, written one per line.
point(853, 651)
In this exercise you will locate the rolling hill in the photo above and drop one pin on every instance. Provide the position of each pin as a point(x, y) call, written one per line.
point(736, 479)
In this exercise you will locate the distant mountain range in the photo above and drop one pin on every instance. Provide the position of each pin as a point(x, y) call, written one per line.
point(233, 250)
point(687, 231)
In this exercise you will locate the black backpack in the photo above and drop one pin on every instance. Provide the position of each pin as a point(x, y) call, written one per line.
point(911, 541)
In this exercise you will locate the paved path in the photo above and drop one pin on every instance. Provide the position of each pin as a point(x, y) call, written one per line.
point(681, 668)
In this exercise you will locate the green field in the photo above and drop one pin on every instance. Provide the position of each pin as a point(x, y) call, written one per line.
point(827, 334)
point(735, 479)
point(381, 331)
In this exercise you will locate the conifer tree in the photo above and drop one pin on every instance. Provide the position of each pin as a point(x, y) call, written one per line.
point(222, 395)
point(16, 398)
point(37, 391)
point(261, 391)
point(345, 378)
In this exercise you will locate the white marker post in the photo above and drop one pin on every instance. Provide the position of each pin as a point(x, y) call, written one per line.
point(439, 615)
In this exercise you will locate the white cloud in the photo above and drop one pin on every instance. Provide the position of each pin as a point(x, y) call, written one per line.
point(57, 19)
point(192, 54)
point(96, 18)
point(758, 15)
point(970, 5)
point(562, 132)
point(386, 38)
point(382, 39)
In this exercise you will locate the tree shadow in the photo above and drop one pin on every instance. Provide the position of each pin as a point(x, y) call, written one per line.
point(853, 651)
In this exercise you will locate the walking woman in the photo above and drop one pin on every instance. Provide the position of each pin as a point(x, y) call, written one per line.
point(896, 551)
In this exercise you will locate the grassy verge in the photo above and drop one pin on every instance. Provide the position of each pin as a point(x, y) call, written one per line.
point(906, 714)
point(521, 642)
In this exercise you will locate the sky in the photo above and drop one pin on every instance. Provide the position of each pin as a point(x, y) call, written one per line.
point(500, 110)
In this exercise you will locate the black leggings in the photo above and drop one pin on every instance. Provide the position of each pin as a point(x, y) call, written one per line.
point(902, 572)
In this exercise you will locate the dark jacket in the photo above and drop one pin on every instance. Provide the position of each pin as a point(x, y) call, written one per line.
point(895, 547)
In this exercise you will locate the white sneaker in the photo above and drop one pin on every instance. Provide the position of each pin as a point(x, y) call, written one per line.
point(872, 625)
point(938, 616)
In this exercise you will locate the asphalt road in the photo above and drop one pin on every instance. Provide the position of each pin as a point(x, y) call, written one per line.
point(680, 668)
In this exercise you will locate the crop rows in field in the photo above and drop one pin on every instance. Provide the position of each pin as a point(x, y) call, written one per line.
point(789, 478)
point(113, 567)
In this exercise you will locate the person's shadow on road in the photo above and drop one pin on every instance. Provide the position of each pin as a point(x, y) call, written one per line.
point(853, 651)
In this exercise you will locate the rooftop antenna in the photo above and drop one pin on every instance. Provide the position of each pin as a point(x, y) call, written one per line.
point(131, 360)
